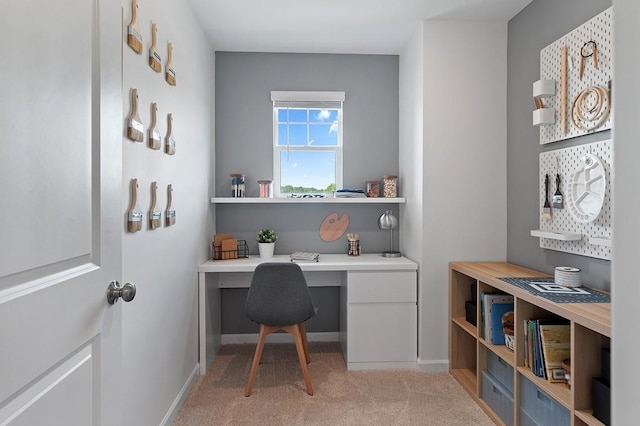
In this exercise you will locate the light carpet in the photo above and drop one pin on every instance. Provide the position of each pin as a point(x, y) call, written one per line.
point(388, 397)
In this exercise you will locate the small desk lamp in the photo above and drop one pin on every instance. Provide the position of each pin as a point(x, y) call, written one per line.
point(388, 221)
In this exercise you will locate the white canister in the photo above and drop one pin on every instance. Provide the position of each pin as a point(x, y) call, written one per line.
point(567, 276)
point(266, 188)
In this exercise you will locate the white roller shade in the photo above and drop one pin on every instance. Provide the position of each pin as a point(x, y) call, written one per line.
point(309, 99)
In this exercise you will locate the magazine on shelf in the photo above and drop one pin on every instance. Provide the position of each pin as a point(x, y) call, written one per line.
point(350, 193)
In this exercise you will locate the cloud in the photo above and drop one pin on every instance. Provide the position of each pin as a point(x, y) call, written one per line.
point(294, 165)
point(324, 114)
point(334, 127)
point(310, 142)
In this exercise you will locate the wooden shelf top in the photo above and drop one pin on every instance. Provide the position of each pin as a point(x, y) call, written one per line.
point(595, 316)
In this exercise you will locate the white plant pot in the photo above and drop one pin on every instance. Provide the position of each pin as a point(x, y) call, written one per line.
point(266, 250)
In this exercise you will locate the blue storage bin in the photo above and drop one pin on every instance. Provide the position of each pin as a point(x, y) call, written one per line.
point(501, 370)
point(540, 407)
point(499, 398)
point(525, 420)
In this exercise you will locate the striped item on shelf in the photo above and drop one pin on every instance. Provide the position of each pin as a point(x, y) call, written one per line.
point(567, 276)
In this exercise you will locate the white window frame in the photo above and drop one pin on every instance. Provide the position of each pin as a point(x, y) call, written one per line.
point(306, 100)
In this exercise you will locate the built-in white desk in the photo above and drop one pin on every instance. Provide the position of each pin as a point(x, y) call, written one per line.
point(378, 305)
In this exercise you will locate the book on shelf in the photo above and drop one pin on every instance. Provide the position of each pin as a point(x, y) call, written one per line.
point(547, 344)
point(535, 362)
point(350, 193)
point(555, 339)
point(525, 337)
point(304, 256)
point(492, 316)
point(496, 312)
point(541, 370)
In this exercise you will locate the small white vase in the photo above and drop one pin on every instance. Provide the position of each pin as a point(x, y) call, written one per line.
point(266, 250)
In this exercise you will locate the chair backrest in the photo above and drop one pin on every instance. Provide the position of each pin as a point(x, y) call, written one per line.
point(279, 295)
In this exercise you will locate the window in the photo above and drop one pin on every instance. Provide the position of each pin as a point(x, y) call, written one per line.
point(307, 143)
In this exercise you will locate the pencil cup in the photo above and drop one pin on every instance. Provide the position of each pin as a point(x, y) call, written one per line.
point(354, 248)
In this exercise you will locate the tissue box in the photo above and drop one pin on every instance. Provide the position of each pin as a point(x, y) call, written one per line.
point(601, 399)
point(471, 312)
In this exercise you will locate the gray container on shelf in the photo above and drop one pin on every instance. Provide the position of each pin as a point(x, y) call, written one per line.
point(541, 407)
point(499, 398)
point(266, 188)
point(389, 186)
point(501, 370)
point(237, 185)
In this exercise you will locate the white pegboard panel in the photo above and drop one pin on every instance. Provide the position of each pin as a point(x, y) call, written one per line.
point(600, 30)
point(565, 162)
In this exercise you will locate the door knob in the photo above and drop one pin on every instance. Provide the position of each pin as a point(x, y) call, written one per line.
point(114, 292)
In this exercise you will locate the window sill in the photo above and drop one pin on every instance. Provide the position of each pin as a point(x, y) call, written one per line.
point(256, 200)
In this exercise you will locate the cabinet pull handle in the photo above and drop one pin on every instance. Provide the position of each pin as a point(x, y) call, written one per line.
point(544, 399)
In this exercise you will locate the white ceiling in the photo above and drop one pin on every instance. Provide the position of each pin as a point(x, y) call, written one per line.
point(334, 26)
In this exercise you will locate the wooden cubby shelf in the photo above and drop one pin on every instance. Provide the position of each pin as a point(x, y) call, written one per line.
point(508, 384)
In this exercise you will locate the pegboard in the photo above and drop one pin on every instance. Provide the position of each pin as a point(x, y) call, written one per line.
point(600, 30)
point(565, 162)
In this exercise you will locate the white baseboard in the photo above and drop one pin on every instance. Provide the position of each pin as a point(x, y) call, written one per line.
point(182, 395)
point(234, 339)
point(433, 366)
point(360, 366)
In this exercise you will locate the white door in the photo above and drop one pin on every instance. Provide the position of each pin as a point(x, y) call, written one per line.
point(60, 219)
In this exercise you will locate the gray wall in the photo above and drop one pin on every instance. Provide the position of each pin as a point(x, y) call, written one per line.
point(538, 25)
point(244, 126)
point(244, 131)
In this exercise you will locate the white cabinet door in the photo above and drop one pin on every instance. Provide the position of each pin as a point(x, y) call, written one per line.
point(61, 222)
point(382, 332)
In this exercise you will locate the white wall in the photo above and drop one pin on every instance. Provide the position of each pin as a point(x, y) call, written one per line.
point(160, 328)
point(464, 164)
point(626, 201)
point(411, 133)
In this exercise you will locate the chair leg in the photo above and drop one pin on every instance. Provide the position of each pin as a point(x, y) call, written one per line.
point(264, 331)
point(295, 331)
point(305, 343)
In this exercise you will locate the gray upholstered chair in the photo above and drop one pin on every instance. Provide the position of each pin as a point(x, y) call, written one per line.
point(279, 299)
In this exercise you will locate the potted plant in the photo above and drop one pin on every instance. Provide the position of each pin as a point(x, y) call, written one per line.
point(266, 242)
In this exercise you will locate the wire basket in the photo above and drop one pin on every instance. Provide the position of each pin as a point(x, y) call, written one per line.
point(241, 252)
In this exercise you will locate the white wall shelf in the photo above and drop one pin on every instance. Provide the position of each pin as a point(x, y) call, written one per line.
point(256, 200)
point(600, 241)
point(544, 116)
point(555, 235)
point(544, 88)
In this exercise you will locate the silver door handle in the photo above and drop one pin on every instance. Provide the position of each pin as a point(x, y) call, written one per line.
point(114, 292)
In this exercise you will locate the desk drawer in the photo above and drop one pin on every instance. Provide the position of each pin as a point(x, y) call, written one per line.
point(381, 287)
